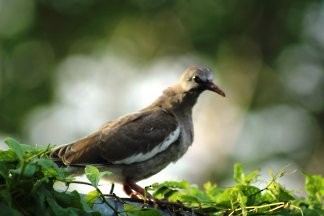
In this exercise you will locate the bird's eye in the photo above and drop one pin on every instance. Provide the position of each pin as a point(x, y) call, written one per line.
point(197, 79)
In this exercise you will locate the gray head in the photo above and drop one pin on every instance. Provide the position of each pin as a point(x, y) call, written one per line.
point(198, 79)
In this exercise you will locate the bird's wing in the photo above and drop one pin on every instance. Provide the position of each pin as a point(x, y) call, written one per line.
point(130, 139)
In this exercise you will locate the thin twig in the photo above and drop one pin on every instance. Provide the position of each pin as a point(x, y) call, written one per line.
point(102, 196)
point(112, 188)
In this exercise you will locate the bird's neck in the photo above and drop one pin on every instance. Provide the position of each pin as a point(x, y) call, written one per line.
point(176, 100)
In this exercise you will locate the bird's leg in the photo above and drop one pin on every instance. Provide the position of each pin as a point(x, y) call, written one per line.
point(134, 190)
point(128, 190)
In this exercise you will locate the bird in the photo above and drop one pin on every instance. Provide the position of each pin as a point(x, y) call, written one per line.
point(140, 144)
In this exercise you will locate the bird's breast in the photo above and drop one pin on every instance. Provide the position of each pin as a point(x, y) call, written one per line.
point(185, 141)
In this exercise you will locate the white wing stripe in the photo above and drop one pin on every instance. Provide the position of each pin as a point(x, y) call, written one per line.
point(157, 149)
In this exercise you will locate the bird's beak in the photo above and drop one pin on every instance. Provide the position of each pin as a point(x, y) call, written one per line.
point(212, 87)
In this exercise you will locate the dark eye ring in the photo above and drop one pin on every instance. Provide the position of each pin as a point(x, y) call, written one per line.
point(197, 79)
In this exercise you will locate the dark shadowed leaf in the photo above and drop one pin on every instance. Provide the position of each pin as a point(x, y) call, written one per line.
point(29, 170)
point(58, 210)
point(6, 210)
point(4, 170)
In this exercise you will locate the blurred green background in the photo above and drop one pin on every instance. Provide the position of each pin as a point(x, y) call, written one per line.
point(66, 67)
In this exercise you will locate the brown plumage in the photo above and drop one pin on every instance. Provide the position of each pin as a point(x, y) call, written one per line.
point(140, 144)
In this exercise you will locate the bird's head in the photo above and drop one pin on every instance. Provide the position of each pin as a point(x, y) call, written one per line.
point(198, 79)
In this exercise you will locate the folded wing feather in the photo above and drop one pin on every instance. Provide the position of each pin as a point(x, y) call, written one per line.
point(129, 139)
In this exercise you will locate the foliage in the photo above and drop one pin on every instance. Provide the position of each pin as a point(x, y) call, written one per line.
point(244, 198)
point(27, 177)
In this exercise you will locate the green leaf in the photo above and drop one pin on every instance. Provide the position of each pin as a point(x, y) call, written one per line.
point(29, 148)
point(39, 183)
point(232, 198)
point(49, 168)
point(8, 155)
point(175, 184)
point(314, 185)
point(4, 170)
point(279, 192)
point(6, 210)
point(29, 170)
point(71, 199)
point(252, 193)
point(164, 192)
point(16, 147)
point(91, 197)
point(241, 178)
point(267, 197)
point(199, 195)
point(313, 212)
point(105, 173)
point(59, 210)
point(252, 176)
point(172, 195)
point(170, 189)
point(92, 174)
point(79, 202)
point(212, 190)
point(6, 197)
point(238, 173)
point(132, 210)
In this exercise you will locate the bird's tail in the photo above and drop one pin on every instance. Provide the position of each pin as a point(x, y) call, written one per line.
point(77, 152)
point(57, 155)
